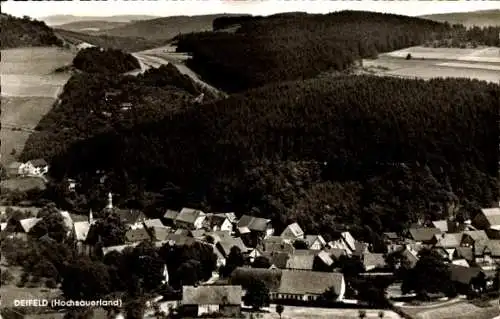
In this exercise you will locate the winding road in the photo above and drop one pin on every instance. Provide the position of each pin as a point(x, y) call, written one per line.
point(155, 58)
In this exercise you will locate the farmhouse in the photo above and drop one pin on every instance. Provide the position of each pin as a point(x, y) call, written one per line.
point(423, 235)
point(315, 242)
point(188, 218)
point(35, 167)
point(201, 300)
point(292, 231)
point(255, 224)
point(218, 222)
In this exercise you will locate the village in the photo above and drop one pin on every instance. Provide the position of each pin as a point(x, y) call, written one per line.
point(298, 269)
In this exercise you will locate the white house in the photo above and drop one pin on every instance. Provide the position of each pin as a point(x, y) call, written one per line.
point(315, 242)
point(35, 167)
point(190, 218)
point(292, 231)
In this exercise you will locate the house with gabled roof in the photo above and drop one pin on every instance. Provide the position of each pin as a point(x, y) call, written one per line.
point(137, 235)
point(487, 218)
point(226, 244)
point(423, 235)
point(447, 240)
point(277, 244)
point(170, 216)
point(315, 242)
point(258, 225)
point(344, 241)
point(149, 223)
point(292, 232)
point(373, 261)
point(190, 218)
point(291, 285)
point(277, 259)
point(205, 300)
point(301, 262)
point(218, 222)
point(469, 237)
point(35, 167)
point(159, 233)
point(467, 279)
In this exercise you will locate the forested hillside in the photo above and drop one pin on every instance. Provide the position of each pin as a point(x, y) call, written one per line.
point(109, 61)
point(95, 103)
point(328, 153)
point(296, 46)
point(128, 44)
point(25, 32)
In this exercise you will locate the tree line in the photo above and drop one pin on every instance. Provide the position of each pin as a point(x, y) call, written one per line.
point(99, 60)
point(25, 32)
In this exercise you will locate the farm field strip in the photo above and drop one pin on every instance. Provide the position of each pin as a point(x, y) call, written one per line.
point(29, 90)
point(471, 66)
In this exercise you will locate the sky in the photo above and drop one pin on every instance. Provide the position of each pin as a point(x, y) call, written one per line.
point(39, 9)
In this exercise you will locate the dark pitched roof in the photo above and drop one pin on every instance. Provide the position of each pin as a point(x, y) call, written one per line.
point(279, 259)
point(463, 274)
point(159, 233)
point(373, 260)
point(448, 240)
point(189, 215)
point(171, 214)
point(276, 243)
point(226, 244)
point(39, 162)
point(211, 295)
point(465, 253)
point(253, 223)
point(301, 262)
point(309, 282)
point(129, 216)
point(391, 236)
point(215, 220)
point(135, 235)
point(180, 240)
point(476, 234)
point(335, 253)
point(424, 233)
point(244, 276)
point(153, 223)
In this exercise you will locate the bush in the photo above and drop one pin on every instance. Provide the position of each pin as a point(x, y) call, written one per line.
point(7, 277)
point(51, 283)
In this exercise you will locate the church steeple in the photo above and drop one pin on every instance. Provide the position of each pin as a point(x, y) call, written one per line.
point(91, 217)
point(110, 201)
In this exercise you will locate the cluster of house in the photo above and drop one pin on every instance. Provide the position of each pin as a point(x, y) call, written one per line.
point(296, 272)
point(35, 167)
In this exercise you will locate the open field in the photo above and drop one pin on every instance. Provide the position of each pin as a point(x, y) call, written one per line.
point(29, 89)
point(453, 309)
point(23, 183)
point(34, 61)
point(483, 54)
point(291, 312)
point(427, 63)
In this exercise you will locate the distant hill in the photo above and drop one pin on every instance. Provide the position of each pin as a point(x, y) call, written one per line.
point(25, 32)
point(127, 44)
point(65, 19)
point(478, 18)
point(91, 26)
point(165, 28)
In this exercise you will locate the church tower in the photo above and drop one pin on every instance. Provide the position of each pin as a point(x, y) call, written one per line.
point(91, 217)
point(110, 201)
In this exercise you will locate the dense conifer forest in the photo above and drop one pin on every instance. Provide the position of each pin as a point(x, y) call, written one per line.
point(298, 45)
point(25, 32)
point(328, 153)
point(99, 60)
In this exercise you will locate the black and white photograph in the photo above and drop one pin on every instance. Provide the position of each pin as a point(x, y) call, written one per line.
point(250, 159)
